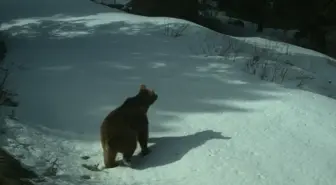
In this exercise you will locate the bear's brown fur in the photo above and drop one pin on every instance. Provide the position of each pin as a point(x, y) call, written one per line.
point(124, 126)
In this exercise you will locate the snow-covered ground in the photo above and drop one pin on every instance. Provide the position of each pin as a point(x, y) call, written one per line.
point(230, 110)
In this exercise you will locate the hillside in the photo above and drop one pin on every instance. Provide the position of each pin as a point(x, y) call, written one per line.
point(230, 110)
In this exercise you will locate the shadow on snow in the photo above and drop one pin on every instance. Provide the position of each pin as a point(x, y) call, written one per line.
point(178, 147)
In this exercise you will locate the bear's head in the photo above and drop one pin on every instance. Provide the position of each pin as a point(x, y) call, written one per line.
point(147, 96)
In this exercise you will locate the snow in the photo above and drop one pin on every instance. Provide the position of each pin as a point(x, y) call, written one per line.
point(214, 121)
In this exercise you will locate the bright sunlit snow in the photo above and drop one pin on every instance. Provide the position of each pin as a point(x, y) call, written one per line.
point(231, 110)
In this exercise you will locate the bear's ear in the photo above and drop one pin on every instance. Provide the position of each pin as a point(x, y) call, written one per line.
point(142, 87)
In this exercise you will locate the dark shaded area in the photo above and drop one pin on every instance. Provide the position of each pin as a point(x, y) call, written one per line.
point(167, 150)
point(12, 172)
point(314, 19)
point(3, 49)
point(183, 9)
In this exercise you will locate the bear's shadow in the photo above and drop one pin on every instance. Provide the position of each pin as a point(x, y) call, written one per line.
point(167, 150)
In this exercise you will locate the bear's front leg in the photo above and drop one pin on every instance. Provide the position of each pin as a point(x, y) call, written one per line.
point(129, 147)
point(143, 140)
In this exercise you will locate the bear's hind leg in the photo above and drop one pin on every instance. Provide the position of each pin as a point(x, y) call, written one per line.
point(129, 151)
point(109, 158)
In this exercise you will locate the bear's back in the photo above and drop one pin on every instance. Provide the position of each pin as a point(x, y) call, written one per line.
point(122, 119)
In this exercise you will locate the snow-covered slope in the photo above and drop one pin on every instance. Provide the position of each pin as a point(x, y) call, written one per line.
point(214, 122)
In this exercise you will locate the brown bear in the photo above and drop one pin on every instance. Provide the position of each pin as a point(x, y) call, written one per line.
point(125, 125)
